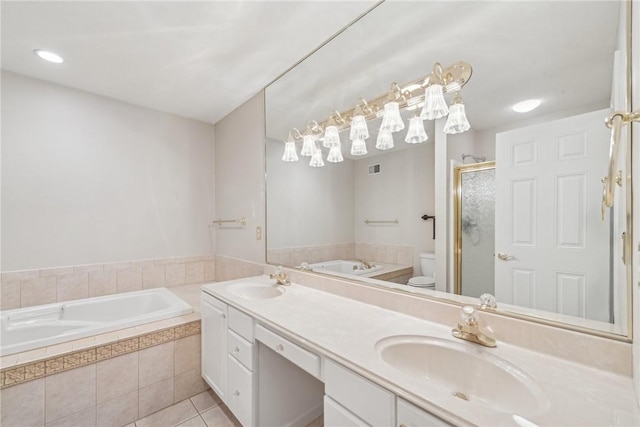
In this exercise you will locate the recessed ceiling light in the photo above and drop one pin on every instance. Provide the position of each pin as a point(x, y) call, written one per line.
point(526, 106)
point(48, 56)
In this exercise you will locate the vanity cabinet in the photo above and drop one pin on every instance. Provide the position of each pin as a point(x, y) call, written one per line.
point(214, 344)
point(267, 379)
point(240, 374)
point(350, 397)
point(410, 415)
point(228, 356)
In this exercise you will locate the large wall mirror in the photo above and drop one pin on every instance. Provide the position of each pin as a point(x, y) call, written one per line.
point(372, 218)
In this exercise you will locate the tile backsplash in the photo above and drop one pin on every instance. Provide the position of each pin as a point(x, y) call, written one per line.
point(48, 285)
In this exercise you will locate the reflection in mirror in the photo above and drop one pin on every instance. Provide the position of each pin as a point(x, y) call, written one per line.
point(367, 210)
point(474, 212)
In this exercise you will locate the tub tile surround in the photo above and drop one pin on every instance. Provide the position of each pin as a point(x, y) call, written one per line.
point(571, 393)
point(116, 367)
point(49, 285)
point(390, 254)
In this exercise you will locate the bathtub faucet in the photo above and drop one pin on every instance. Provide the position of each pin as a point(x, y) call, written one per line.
point(366, 264)
point(280, 276)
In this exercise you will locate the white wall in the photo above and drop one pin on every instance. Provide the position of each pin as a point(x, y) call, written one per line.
point(239, 180)
point(318, 201)
point(404, 190)
point(88, 179)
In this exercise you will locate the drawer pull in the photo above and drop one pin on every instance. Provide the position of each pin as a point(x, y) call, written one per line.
point(280, 347)
point(236, 350)
point(236, 393)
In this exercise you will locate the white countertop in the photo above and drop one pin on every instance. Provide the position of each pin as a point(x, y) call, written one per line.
point(347, 331)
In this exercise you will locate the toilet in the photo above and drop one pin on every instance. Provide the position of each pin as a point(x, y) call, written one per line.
point(428, 271)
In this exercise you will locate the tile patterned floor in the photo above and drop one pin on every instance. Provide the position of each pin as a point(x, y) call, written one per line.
point(202, 410)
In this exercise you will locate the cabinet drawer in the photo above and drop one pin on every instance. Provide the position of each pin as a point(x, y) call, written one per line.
point(365, 399)
point(241, 323)
point(337, 416)
point(241, 349)
point(410, 415)
point(296, 354)
point(240, 389)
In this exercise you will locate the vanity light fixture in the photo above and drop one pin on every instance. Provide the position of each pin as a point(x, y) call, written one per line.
point(426, 93)
point(358, 147)
point(49, 56)
point(435, 105)
point(335, 154)
point(331, 133)
point(316, 159)
point(308, 144)
point(416, 133)
point(359, 128)
point(391, 118)
point(526, 106)
point(457, 121)
point(385, 139)
point(290, 154)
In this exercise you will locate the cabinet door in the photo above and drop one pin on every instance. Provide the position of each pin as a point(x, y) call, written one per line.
point(335, 415)
point(214, 344)
point(410, 415)
point(240, 392)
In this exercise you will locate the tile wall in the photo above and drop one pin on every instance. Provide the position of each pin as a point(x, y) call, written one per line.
point(311, 254)
point(105, 385)
point(44, 286)
point(390, 254)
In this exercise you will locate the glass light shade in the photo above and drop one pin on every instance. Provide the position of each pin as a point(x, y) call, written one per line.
point(335, 154)
point(434, 104)
point(331, 136)
point(316, 159)
point(385, 140)
point(457, 121)
point(358, 147)
point(416, 133)
point(290, 154)
point(359, 128)
point(308, 145)
point(392, 119)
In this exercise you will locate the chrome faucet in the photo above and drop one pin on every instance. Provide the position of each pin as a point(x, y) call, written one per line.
point(280, 276)
point(469, 330)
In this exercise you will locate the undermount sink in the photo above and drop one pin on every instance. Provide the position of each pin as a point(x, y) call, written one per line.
point(257, 290)
point(470, 374)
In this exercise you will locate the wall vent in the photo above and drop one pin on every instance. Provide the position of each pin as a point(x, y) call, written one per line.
point(374, 169)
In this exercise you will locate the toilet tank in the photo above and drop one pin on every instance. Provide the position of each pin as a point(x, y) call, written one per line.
point(428, 264)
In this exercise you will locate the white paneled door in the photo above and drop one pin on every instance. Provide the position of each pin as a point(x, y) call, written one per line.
point(552, 247)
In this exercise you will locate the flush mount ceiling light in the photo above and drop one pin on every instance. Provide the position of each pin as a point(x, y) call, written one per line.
point(526, 106)
point(49, 56)
point(427, 92)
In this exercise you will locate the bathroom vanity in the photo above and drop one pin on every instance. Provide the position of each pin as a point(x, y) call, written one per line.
point(284, 355)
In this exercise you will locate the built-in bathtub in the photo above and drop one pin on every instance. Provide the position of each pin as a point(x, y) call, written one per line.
point(356, 268)
point(32, 327)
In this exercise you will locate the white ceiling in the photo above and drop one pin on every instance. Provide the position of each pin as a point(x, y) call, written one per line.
point(195, 59)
